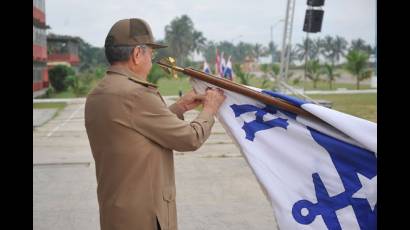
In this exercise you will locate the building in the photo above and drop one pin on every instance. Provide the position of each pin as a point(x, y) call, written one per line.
point(63, 50)
point(40, 73)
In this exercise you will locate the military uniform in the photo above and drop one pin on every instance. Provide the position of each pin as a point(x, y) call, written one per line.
point(132, 134)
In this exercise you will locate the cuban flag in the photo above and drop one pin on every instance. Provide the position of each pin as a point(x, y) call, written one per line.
point(316, 173)
point(206, 68)
point(228, 72)
point(223, 65)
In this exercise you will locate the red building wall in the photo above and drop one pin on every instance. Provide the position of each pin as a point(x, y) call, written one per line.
point(39, 46)
point(71, 58)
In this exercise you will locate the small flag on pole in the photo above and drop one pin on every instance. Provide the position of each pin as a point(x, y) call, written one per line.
point(206, 68)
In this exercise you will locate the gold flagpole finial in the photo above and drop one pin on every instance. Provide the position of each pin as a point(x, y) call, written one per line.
point(168, 64)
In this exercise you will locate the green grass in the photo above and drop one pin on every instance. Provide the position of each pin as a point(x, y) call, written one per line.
point(170, 86)
point(322, 85)
point(57, 105)
point(359, 105)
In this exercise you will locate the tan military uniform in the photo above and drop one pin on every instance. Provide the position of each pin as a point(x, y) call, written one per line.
point(132, 134)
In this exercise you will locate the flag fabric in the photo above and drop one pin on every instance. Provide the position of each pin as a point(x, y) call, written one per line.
point(206, 68)
point(228, 72)
point(317, 174)
point(223, 65)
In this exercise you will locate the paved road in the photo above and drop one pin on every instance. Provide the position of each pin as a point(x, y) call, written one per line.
point(215, 187)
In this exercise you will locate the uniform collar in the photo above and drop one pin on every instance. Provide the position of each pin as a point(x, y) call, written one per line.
point(131, 75)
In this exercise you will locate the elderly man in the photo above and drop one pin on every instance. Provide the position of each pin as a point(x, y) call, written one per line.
point(132, 133)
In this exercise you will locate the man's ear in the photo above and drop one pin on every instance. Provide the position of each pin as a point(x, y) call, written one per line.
point(136, 56)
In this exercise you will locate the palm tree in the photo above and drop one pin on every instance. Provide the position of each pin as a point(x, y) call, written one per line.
point(313, 71)
point(360, 44)
point(272, 50)
point(339, 48)
point(301, 48)
point(242, 51)
point(313, 47)
point(198, 41)
point(357, 65)
point(331, 75)
point(328, 48)
point(182, 38)
point(257, 51)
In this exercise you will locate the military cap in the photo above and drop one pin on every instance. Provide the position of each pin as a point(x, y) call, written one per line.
point(131, 32)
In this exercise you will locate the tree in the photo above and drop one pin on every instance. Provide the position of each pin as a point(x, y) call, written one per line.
point(328, 48)
point(330, 73)
point(313, 71)
point(155, 74)
point(265, 68)
point(182, 38)
point(242, 51)
point(226, 47)
point(58, 75)
point(339, 48)
point(272, 50)
point(357, 62)
point(312, 49)
point(209, 52)
point(360, 44)
point(77, 87)
point(275, 69)
point(90, 56)
point(258, 51)
point(199, 41)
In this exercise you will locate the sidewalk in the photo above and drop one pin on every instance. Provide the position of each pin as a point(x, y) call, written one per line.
point(215, 187)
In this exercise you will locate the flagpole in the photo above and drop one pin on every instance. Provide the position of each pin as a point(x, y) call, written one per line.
point(238, 88)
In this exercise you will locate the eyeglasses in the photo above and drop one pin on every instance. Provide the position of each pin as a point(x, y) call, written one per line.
point(153, 52)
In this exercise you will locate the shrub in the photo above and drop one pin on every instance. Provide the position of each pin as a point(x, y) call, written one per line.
point(57, 76)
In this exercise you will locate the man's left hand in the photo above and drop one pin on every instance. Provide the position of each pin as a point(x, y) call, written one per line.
point(190, 101)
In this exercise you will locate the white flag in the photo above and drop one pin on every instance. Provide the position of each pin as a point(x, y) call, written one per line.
point(318, 174)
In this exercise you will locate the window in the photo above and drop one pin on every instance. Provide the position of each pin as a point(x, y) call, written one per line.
point(37, 73)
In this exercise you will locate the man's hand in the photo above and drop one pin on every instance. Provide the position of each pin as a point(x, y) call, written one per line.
point(189, 101)
point(213, 100)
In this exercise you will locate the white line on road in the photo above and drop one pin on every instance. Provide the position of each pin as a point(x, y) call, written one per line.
point(62, 124)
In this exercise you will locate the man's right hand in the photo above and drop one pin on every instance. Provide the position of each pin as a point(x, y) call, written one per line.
point(213, 100)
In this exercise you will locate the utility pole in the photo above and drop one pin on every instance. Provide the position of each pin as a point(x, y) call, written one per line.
point(286, 44)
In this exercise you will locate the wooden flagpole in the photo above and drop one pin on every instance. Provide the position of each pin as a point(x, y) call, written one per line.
point(237, 88)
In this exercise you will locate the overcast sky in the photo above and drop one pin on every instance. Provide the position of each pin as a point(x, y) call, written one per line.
point(218, 20)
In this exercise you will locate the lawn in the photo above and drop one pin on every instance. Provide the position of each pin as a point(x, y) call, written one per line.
point(57, 105)
point(54, 105)
point(359, 105)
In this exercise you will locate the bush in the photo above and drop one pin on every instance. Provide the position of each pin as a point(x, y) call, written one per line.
point(57, 76)
point(243, 77)
point(155, 74)
point(78, 88)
